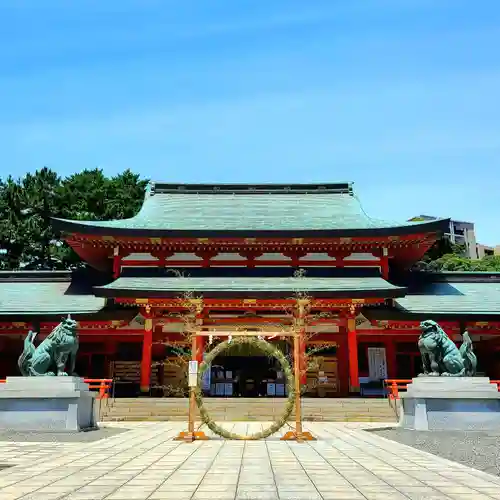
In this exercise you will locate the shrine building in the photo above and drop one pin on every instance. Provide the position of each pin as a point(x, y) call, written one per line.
point(237, 249)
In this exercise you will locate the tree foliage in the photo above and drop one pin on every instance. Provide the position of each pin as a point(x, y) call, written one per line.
point(453, 262)
point(445, 256)
point(441, 247)
point(27, 238)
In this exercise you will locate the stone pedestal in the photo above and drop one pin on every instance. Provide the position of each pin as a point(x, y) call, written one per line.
point(450, 403)
point(50, 404)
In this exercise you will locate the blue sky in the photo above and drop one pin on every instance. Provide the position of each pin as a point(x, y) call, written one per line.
point(401, 97)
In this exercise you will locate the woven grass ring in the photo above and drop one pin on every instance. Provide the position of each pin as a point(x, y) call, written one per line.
point(266, 348)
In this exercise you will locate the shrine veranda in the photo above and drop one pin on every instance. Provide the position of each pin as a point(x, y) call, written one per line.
point(237, 249)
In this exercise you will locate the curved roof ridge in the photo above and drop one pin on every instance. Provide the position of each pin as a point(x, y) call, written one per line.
point(250, 188)
point(218, 210)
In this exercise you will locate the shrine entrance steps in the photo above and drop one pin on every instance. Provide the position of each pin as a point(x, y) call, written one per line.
point(249, 409)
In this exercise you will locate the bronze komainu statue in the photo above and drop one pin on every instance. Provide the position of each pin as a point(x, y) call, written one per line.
point(51, 356)
point(440, 355)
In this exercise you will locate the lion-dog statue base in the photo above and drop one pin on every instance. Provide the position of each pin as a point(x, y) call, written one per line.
point(448, 395)
point(47, 398)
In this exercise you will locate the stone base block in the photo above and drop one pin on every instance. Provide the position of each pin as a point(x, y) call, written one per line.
point(49, 404)
point(450, 403)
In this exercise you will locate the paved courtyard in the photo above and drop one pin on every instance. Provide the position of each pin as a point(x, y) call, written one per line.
point(144, 463)
point(478, 449)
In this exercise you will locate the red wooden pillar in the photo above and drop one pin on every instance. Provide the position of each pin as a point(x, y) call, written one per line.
point(390, 353)
point(352, 346)
point(147, 346)
point(343, 364)
point(117, 262)
point(384, 263)
point(198, 344)
point(200, 349)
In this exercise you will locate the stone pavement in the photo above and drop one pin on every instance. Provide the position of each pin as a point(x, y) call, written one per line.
point(478, 449)
point(144, 463)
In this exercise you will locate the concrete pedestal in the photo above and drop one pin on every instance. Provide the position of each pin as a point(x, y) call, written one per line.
point(450, 403)
point(50, 404)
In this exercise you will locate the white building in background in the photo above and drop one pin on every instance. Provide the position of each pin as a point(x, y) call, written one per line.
point(485, 250)
point(459, 233)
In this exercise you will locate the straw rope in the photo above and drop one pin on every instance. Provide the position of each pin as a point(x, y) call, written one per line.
point(268, 349)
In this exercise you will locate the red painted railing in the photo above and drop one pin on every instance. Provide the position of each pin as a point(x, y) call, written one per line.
point(393, 386)
point(103, 385)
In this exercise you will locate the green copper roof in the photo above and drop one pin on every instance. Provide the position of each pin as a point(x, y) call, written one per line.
point(44, 293)
point(248, 287)
point(249, 210)
point(453, 298)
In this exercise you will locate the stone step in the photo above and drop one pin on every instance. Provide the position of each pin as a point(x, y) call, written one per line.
point(247, 409)
point(126, 411)
point(260, 401)
point(275, 409)
point(254, 407)
point(162, 418)
point(278, 404)
point(249, 415)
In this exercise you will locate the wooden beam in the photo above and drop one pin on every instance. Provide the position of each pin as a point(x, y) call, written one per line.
point(252, 263)
point(241, 243)
point(248, 304)
point(244, 333)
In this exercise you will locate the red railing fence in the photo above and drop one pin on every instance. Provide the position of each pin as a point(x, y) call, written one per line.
point(103, 385)
point(496, 382)
point(393, 386)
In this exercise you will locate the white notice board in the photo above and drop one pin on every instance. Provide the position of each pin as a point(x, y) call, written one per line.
point(377, 363)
